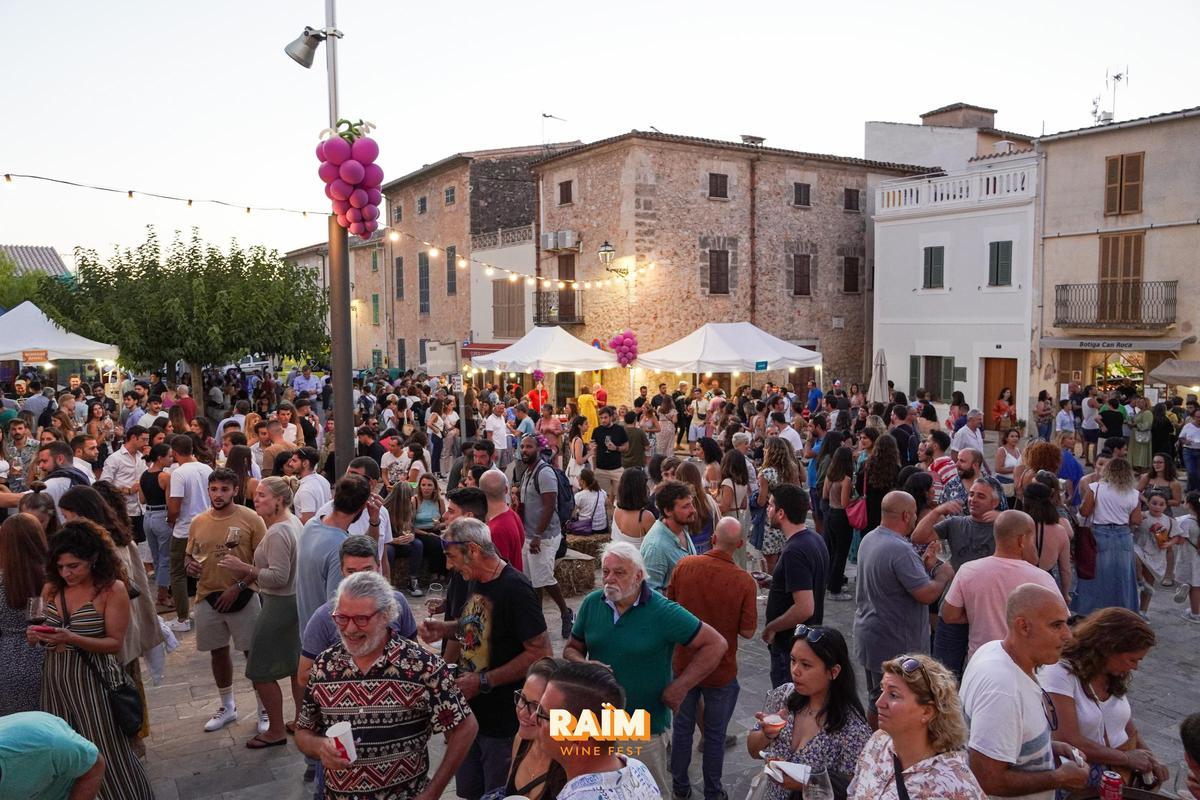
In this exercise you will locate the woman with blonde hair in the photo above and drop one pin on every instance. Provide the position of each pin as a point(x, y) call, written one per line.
point(778, 466)
point(1114, 505)
point(918, 750)
point(275, 649)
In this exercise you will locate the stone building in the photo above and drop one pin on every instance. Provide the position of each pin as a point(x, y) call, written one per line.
point(733, 231)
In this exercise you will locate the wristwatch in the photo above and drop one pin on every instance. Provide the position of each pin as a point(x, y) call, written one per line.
point(485, 686)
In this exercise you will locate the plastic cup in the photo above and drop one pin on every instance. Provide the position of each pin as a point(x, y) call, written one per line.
point(343, 740)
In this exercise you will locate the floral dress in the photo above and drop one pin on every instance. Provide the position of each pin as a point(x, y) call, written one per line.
point(835, 752)
point(772, 537)
point(943, 776)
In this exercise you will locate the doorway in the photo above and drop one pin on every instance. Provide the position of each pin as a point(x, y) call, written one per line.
point(998, 374)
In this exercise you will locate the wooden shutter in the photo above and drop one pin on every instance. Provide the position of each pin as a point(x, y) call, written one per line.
point(1112, 185)
point(451, 270)
point(399, 278)
point(851, 275)
point(718, 272)
point(927, 269)
point(914, 375)
point(718, 185)
point(1131, 182)
point(401, 356)
point(423, 283)
point(947, 387)
point(934, 270)
point(564, 193)
point(374, 309)
point(802, 275)
point(801, 194)
point(999, 263)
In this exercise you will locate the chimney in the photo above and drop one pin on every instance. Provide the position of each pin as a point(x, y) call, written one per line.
point(755, 141)
point(960, 115)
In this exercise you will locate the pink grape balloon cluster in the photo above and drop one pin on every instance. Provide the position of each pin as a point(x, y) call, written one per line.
point(352, 181)
point(625, 346)
point(538, 375)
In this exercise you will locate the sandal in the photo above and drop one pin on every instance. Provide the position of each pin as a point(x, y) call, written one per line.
point(259, 743)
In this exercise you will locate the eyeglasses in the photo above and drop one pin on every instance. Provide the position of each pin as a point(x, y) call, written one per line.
point(1050, 711)
point(359, 620)
point(524, 704)
point(910, 665)
point(811, 635)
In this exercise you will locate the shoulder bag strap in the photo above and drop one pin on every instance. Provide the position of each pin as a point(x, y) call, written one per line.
point(901, 791)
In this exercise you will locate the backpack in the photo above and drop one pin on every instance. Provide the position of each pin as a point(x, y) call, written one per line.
point(909, 456)
point(565, 505)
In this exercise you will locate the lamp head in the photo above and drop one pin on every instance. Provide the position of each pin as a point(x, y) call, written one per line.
point(607, 253)
point(304, 48)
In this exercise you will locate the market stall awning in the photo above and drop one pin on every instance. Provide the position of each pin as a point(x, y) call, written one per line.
point(550, 349)
point(27, 334)
point(728, 347)
point(1174, 372)
point(1116, 343)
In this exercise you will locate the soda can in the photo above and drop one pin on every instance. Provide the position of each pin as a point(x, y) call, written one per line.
point(1110, 786)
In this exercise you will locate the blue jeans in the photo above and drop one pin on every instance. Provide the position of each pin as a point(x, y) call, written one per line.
point(781, 666)
point(1191, 462)
point(414, 550)
point(718, 710)
point(1044, 430)
point(950, 645)
point(435, 456)
point(1115, 583)
point(158, 537)
point(485, 767)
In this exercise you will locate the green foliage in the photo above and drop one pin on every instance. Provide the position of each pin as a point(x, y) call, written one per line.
point(16, 289)
point(193, 302)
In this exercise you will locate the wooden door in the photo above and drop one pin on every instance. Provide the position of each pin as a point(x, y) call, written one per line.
point(998, 373)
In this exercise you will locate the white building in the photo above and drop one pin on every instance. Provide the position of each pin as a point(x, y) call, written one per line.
point(954, 261)
point(949, 137)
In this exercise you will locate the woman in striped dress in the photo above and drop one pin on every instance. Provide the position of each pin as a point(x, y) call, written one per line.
point(87, 614)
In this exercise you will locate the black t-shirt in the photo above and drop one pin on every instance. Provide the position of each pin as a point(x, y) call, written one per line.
point(310, 432)
point(1077, 404)
point(803, 564)
point(1113, 421)
point(605, 458)
point(375, 450)
point(902, 434)
point(497, 618)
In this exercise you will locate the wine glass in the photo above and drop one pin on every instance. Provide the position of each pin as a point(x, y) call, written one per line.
point(35, 611)
point(773, 721)
point(434, 599)
point(198, 554)
point(818, 786)
point(233, 538)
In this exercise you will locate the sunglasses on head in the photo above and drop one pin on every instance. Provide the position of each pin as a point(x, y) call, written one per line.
point(910, 665)
point(810, 635)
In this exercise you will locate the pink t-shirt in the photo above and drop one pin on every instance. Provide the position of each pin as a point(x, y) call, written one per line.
point(982, 587)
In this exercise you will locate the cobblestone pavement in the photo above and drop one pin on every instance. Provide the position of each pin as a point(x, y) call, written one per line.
point(185, 762)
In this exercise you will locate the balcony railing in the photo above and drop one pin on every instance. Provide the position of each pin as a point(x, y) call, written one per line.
point(951, 191)
point(1115, 304)
point(558, 307)
point(503, 237)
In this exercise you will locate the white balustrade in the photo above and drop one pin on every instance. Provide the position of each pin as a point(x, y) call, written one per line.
point(960, 189)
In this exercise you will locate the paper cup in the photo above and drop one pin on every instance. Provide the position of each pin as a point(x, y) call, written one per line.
point(343, 740)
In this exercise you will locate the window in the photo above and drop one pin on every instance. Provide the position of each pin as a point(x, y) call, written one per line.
point(564, 193)
point(568, 310)
point(397, 213)
point(449, 195)
point(718, 272)
point(423, 284)
point(376, 358)
point(374, 261)
point(801, 194)
point(936, 374)
point(933, 274)
point(451, 271)
point(423, 342)
point(422, 204)
point(852, 200)
point(399, 277)
point(401, 356)
point(718, 185)
point(1123, 184)
point(999, 263)
point(801, 275)
point(851, 275)
point(375, 309)
point(508, 309)
point(1120, 295)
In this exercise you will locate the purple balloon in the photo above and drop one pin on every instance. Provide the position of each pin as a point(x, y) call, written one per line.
point(358, 198)
point(354, 215)
point(372, 176)
point(321, 150)
point(351, 172)
point(370, 213)
point(343, 221)
point(357, 228)
point(374, 196)
point(328, 172)
point(371, 226)
point(340, 190)
point(628, 332)
point(365, 150)
point(628, 341)
point(328, 193)
point(337, 150)
point(340, 206)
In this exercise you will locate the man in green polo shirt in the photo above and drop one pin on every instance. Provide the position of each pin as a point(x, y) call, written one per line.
point(635, 630)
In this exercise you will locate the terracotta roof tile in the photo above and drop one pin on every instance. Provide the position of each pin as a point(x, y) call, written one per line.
point(1193, 111)
point(955, 107)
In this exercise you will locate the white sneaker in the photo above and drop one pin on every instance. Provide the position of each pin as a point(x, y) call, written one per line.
point(264, 722)
point(220, 719)
point(180, 625)
point(1181, 593)
point(1190, 617)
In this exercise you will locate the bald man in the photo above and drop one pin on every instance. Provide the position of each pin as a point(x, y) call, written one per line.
point(979, 594)
point(1010, 749)
point(895, 588)
point(505, 525)
point(722, 594)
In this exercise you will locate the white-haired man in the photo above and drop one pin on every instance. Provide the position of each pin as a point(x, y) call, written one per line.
point(411, 694)
point(635, 630)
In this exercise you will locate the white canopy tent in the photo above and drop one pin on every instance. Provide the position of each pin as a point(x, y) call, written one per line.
point(1176, 373)
point(550, 349)
point(26, 328)
point(728, 347)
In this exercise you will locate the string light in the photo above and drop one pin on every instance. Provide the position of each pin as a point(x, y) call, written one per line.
point(489, 271)
point(394, 236)
point(530, 282)
point(562, 285)
point(462, 263)
point(130, 194)
point(512, 277)
point(433, 252)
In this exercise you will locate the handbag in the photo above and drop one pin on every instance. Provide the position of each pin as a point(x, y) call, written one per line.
point(1083, 547)
point(856, 512)
point(123, 699)
point(244, 597)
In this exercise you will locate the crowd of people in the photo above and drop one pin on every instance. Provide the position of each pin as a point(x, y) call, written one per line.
point(999, 604)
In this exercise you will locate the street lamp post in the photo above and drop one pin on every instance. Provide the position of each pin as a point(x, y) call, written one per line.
point(341, 350)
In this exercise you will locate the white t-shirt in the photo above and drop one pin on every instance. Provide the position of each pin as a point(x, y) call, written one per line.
point(982, 587)
point(1189, 434)
point(1093, 719)
point(498, 429)
point(361, 525)
point(312, 493)
point(189, 481)
point(1113, 506)
point(393, 467)
point(56, 488)
point(793, 438)
point(289, 433)
point(1006, 715)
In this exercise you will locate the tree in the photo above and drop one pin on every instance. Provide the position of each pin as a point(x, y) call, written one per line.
point(16, 289)
point(191, 302)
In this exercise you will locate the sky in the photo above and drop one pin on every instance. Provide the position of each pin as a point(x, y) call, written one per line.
point(199, 100)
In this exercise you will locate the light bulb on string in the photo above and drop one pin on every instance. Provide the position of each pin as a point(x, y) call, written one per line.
point(530, 281)
point(394, 236)
point(512, 277)
point(562, 285)
point(545, 283)
point(433, 252)
point(129, 194)
point(489, 271)
point(462, 262)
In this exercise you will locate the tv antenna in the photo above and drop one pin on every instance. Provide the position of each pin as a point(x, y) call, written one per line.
point(545, 117)
point(1115, 78)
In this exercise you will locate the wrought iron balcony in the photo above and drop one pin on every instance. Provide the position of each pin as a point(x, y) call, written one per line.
point(558, 307)
point(1115, 304)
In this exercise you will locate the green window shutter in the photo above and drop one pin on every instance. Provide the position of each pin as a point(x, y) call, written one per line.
point(374, 309)
point(939, 255)
point(993, 263)
point(914, 375)
point(374, 261)
point(1005, 263)
point(960, 375)
point(927, 272)
point(947, 379)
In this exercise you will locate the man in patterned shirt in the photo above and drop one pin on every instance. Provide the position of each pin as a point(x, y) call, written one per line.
point(393, 693)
